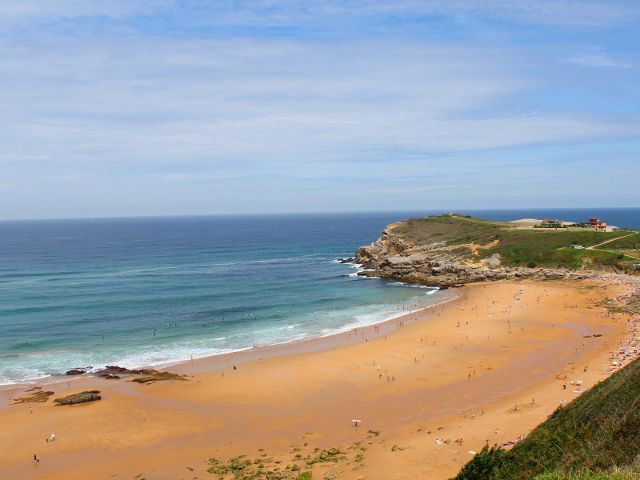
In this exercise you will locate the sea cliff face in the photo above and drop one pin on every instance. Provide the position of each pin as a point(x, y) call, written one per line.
point(441, 264)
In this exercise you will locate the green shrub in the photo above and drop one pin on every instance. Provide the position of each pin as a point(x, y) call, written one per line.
point(483, 464)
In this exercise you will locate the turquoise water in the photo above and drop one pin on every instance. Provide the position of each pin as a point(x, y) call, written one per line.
point(137, 292)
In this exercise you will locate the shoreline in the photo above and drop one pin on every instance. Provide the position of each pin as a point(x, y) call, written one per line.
point(216, 362)
point(488, 367)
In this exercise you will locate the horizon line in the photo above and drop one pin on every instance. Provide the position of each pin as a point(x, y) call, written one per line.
point(318, 212)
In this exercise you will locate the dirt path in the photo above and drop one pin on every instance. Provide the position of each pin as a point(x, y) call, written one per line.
point(593, 247)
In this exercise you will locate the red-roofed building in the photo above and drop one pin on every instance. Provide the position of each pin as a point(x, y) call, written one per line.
point(597, 224)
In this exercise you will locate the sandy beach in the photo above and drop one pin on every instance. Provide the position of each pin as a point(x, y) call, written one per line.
point(429, 388)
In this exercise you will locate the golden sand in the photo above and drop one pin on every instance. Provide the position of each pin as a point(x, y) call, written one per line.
point(488, 367)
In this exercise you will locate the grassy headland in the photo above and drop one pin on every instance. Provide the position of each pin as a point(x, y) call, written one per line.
point(536, 247)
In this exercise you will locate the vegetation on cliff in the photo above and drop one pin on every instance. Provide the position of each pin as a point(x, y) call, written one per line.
point(519, 247)
point(449, 250)
point(595, 436)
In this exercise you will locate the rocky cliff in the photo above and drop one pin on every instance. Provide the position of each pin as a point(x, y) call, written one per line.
point(396, 255)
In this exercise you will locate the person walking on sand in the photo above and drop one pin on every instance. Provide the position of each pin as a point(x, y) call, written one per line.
point(35, 458)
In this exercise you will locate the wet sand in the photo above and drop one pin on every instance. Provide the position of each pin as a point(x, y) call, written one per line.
point(488, 367)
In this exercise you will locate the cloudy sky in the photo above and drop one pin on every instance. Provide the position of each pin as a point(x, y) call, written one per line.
point(152, 107)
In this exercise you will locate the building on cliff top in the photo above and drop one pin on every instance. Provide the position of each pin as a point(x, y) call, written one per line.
point(551, 223)
point(600, 226)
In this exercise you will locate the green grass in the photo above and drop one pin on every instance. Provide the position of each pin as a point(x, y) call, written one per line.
point(450, 229)
point(518, 247)
point(632, 242)
point(614, 474)
point(597, 432)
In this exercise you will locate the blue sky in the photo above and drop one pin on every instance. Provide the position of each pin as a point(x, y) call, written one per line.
point(131, 107)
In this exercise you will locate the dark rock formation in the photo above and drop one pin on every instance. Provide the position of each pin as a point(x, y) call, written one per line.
point(76, 371)
point(346, 260)
point(82, 397)
point(158, 377)
point(113, 372)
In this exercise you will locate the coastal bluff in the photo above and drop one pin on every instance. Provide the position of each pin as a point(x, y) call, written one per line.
point(453, 250)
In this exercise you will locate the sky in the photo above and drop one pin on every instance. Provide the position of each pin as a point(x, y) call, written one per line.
point(167, 107)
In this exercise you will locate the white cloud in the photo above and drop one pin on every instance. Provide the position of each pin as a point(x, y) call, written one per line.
point(79, 105)
point(598, 59)
point(155, 118)
point(56, 9)
point(299, 12)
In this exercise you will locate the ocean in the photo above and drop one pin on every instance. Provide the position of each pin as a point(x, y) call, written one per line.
point(150, 291)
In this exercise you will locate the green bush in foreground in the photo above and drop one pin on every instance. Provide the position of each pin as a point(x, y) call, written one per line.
point(616, 474)
point(483, 464)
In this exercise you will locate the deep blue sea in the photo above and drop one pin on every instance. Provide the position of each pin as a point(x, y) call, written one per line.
point(148, 291)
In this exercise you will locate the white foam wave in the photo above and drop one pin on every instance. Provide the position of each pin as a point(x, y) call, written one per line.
point(35, 367)
point(290, 327)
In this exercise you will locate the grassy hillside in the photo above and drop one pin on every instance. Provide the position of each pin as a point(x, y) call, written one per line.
point(595, 436)
point(626, 473)
point(532, 248)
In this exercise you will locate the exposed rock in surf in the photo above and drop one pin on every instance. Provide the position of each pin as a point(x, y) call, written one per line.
point(76, 371)
point(346, 260)
point(76, 398)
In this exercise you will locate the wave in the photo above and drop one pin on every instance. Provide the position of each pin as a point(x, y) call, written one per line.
point(184, 350)
point(431, 291)
point(290, 327)
point(186, 269)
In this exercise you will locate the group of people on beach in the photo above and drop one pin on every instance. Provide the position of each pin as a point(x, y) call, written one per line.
point(629, 348)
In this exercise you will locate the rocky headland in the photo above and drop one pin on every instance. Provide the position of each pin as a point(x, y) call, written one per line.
point(448, 251)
